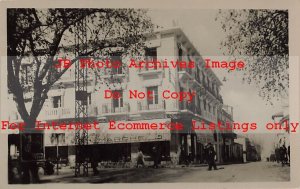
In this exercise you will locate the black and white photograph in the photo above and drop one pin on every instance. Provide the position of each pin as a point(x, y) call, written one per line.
point(146, 95)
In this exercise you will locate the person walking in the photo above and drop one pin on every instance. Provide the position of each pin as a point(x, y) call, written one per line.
point(289, 154)
point(283, 155)
point(182, 156)
point(211, 157)
point(155, 157)
point(140, 159)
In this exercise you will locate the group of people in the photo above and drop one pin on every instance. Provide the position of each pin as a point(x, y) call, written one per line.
point(184, 159)
point(284, 154)
point(141, 161)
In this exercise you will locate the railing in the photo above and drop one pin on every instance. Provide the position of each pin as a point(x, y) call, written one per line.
point(148, 70)
point(58, 113)
point(187, 70)
point(209, 116)
point(145, 106)
point(110, 72)
point(185, 105)
point(109, 108)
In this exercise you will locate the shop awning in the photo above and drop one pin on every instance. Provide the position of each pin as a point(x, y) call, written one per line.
point(107, 136)
point(229, 135)
point(204, 136)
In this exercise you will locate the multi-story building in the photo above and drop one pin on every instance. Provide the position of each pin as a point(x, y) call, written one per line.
point(228, 149)
point(282, 119)
point(111, 145)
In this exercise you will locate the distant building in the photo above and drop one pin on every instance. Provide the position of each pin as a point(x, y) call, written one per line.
point(251, 151)
point(230, 151)
point(282, 118)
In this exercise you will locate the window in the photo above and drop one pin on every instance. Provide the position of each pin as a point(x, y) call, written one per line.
point(89, 99)
point(118, 102)
point(116, 60)
point(151, 56)
point(180, 54)
point(154, 95)
point(56, 102)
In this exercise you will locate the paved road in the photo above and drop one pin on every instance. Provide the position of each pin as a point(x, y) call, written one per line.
point(254, 171)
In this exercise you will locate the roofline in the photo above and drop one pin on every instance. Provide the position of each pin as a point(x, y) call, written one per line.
point(178, 30)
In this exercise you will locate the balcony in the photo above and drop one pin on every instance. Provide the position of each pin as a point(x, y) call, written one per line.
point(57, 113)
point(149, 71)
point(145, 106)
point(112, 73)
point(69, 75)
point(109, 108)
point(185, 72)
point(184, 105)
point(64, 113)
point(209, 116)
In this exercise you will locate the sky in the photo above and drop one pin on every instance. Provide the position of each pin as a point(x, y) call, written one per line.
point(206, 34)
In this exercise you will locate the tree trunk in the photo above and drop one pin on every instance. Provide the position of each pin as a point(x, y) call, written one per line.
point(29, 146)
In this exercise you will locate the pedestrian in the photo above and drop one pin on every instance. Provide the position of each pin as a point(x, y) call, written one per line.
point(181, 155)
point(289, 154)
point(211, 157)
point(183, 158)
point(48, 167)
point(140, 159)
point(155, 157)
point(94, 165)
point(283, 155)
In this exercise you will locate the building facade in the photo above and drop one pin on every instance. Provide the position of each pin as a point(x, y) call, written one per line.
point(110, 145)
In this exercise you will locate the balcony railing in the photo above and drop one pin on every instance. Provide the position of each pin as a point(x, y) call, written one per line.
point(150, 70)
point(209, 116)
point(187, 70)
point(185, 105)
point(109, 72)
point(145, 106)
point(62, 113)
point(109, 108)
point(57, 113)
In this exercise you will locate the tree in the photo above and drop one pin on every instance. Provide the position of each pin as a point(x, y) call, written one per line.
point(261, 36)
point(42, 33)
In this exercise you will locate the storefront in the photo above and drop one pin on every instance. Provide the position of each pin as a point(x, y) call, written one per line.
point(111, 145)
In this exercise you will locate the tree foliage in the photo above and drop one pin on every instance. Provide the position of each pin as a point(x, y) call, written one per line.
point(36, 36)
point(261, 37)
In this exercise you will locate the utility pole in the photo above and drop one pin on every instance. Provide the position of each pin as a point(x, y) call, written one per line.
point(81, 105)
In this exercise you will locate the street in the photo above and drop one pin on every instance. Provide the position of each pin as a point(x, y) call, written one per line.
point(247, 172)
